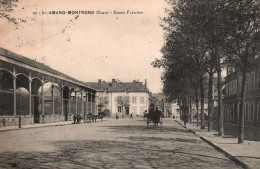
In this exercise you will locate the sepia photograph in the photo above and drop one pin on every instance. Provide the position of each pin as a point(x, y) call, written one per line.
point(130, 84)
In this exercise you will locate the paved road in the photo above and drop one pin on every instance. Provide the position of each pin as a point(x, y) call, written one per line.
point(120, 144)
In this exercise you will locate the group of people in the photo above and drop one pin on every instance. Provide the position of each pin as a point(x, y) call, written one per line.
point(154, 115)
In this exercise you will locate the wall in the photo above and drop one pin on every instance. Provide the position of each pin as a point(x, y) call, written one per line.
point(138, 105)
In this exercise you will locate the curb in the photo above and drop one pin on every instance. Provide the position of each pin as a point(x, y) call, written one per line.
point(230, 156)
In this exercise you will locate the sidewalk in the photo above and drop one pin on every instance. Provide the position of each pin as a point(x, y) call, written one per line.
point(8, 128)
point(246, 154)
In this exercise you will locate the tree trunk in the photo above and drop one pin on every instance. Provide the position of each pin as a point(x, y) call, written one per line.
point(190, 108)
point(220, 112)
point(186, 110)
point(202, 125)
point(197, 106)
point(210, 100)
point(241, 112)
point(180, 106)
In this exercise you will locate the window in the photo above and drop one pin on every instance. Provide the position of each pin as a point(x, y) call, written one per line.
point(142, 100)
point(106, 99)
point(258, 111)
point(119, 109)
point(252, 112)
point(134, 99)
point(227, 89)
point(248, 77)
point(127, 99)
point(246, 112)
point(252, 81)
point(119, 97)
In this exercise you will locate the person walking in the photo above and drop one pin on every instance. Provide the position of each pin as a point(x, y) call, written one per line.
point(131, 116)
point(74, 118)
point(185, 118)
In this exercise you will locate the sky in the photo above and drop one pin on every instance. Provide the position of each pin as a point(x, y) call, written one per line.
point(88, 47)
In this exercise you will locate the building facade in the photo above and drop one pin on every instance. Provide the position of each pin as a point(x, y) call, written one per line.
point(232, 99)
point(121, 98)
point(31, 92)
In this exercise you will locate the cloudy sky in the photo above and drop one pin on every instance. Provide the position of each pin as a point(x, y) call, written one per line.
point(89, 47)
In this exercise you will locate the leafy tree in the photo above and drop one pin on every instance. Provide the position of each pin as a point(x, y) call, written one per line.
point(7, 7)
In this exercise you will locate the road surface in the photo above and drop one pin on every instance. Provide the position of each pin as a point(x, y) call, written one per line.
point(122, 143)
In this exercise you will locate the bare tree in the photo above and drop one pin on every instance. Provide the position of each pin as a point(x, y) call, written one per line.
point(122, 101)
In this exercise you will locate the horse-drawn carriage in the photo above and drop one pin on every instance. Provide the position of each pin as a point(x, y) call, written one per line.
point(93, 118)
point(154, 116)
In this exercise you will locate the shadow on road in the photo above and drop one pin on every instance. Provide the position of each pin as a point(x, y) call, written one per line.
point(112, 154)
point(161, 139)
point(145, 129)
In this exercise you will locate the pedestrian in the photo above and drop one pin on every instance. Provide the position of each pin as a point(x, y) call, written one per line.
point(74, 118)
point(117, 116)
point(131, 116)
point(157, 116)
point(185, 118)
point(145, 114)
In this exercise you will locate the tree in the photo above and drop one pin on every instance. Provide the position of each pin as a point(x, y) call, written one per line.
point(122, 101)
point(6, 7)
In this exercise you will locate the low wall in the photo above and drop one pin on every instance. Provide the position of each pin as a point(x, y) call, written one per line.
point(14, 120)
point(29, 119)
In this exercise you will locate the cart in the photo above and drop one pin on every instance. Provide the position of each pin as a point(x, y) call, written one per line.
point(154, 117)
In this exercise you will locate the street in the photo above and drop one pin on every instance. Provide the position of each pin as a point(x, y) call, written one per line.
point(122, 143)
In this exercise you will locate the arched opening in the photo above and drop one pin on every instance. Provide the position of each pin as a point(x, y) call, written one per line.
point(36, 99)
point(73, 101)
point(47, 92)
point(22, 95)
point(6, 93)
point(80, 104)
point(66, 95)
point(107, 113)
point(56, 91)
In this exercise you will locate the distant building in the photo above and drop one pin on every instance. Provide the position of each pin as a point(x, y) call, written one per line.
point(123, 98)
point(175, 108)
point(158, 101)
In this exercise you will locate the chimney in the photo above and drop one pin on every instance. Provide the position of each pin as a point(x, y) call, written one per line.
point(99, 81)
point(113, 82)
point(145, 83)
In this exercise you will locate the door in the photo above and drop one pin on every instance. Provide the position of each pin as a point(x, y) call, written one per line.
point(126, 110)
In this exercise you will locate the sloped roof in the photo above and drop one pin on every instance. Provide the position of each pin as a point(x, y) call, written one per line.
point(33, 63)
point(119, 87)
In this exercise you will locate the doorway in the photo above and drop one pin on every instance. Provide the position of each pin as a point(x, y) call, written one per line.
point(126, 110)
